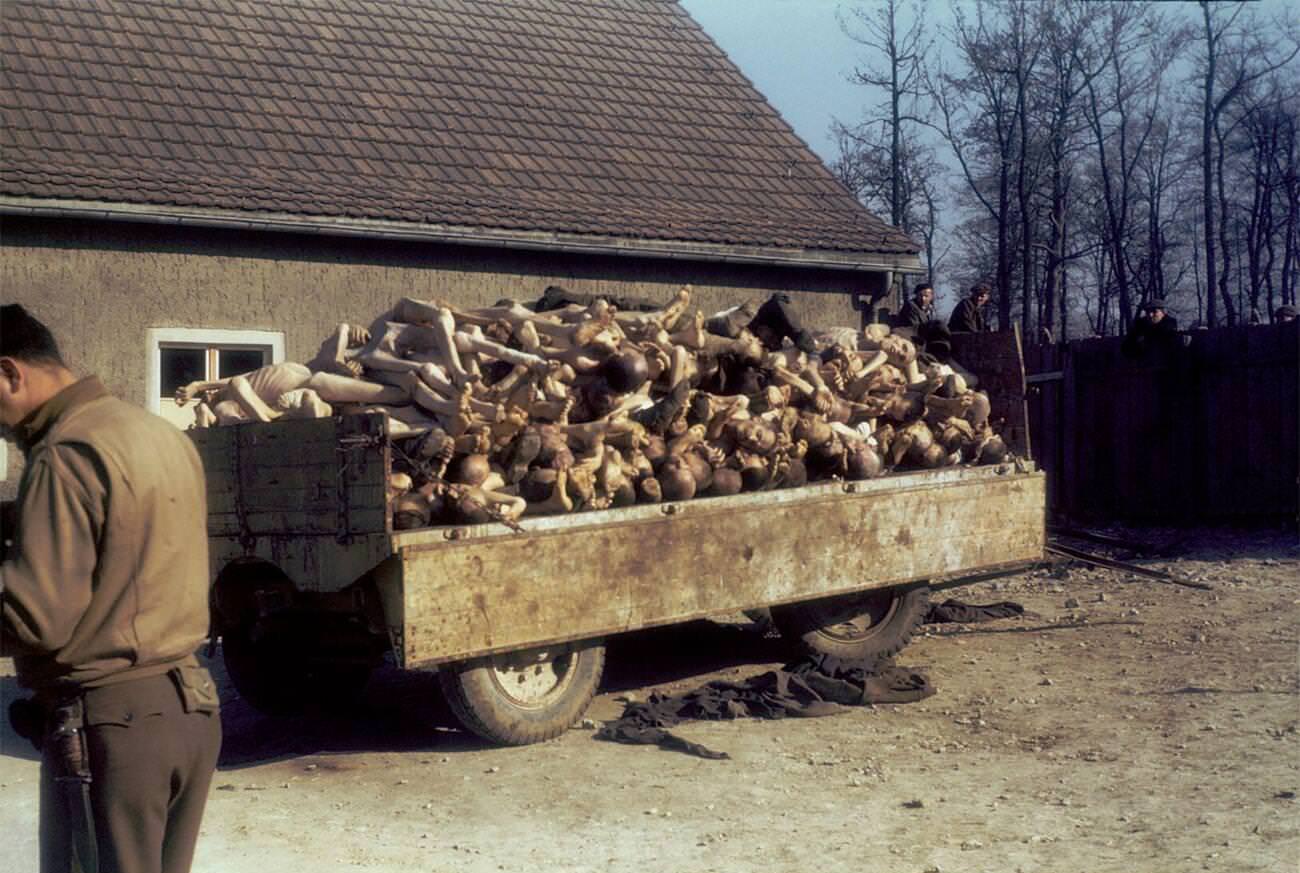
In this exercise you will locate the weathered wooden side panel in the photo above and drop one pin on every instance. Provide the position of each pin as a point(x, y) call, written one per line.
point(999, 360)
point(1205, 432)
point(607, 572)
point(313, 563)
point(306, 496)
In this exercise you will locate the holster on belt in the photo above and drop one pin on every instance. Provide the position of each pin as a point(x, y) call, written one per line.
point(65, 753)
point(197, 690)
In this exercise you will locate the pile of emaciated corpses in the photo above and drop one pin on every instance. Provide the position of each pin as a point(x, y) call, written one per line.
point(502, 412)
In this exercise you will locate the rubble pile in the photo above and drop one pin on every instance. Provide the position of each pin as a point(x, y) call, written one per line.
point(505, 411)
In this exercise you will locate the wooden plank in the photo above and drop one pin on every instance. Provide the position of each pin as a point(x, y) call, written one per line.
point(368, 498)
point(1225, 467)
point(1067, 500)
point(327, 476)
point(1256, 425)
point(312, 563)
point(496, 593)
point(998, 360)
point(306, 479)
point(289, 522)
point(1050, 447)
point(1288, 400)
point(1092, 419)
point(1206, 432)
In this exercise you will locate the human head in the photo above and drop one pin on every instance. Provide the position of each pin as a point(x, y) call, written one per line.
point(31, 368)
point(1285, 313)
point(924, 294)
point(980, 293)
point(1154, 309)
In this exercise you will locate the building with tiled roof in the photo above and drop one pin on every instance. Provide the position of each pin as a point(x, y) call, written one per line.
point(199, 174)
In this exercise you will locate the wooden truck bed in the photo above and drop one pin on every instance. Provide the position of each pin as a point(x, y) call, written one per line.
point(593, 574)
point(308, 498)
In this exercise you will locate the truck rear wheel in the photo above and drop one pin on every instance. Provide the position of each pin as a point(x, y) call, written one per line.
point(873, 624)
point(524, 697)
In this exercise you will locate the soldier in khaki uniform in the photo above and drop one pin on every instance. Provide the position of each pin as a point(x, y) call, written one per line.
point(103, 602)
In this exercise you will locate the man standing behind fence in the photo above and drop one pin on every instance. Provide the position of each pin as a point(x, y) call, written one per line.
point(919, 309)
point(103, 601)
point(1154, 328)
point(968, 315)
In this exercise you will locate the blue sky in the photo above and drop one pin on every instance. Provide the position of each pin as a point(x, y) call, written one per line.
point(796, 54)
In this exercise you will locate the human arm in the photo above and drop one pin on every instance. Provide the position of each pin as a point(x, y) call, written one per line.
point(186, 393)
point(46, 580)
point(963, 319)
point(910, 316)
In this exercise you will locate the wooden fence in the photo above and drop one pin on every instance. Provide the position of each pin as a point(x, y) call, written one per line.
point(1209, 431)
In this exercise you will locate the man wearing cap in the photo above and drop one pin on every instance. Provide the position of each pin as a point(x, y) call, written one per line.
point(1153, 328)
point(919, 309)
point(1284, 314)
point(968, 315)
point(103, 601)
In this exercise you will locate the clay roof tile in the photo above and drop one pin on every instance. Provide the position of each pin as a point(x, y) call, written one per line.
point(619, 118)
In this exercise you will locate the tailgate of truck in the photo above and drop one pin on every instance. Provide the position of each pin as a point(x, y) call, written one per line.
point(472, 591)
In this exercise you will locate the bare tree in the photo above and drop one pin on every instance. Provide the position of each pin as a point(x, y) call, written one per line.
point(1122, 112)
point(866, 169)
point(881, 157)
point(1072, 62)
point(1288, 169)
point(978, 109)
point(899, 75)
point(1235, 56)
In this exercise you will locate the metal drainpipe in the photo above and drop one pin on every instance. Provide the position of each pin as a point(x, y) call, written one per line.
point(889, 285)
point(866, 302)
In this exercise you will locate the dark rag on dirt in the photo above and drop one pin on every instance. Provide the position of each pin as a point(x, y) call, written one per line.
point(969, 613)
point(814, 686)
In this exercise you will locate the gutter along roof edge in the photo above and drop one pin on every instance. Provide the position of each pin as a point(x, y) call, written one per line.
point(527, 240)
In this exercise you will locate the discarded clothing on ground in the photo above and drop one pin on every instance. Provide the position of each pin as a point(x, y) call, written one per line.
point(813, 686)
point(968, 613)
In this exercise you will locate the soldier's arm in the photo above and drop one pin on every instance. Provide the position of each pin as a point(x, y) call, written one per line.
point(46, 579)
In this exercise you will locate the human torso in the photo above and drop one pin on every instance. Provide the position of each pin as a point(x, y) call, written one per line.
point(145, 606)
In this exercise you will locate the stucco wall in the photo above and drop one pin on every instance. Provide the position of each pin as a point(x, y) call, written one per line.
point(101, 285)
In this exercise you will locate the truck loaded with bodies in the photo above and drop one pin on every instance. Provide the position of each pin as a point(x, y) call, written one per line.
point(492, 492)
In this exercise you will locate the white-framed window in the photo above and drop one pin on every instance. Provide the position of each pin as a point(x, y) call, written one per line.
point(180, 355)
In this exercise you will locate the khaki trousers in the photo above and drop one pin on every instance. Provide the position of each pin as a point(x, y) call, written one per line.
point(150, 750)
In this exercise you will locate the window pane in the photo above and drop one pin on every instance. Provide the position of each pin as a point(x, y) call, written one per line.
point(233, 362)
point(181, 367)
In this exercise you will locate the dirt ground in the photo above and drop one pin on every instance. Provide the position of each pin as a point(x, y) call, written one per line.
point(1119, 725)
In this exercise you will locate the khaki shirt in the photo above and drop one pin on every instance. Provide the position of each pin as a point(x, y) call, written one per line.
point(107, 578)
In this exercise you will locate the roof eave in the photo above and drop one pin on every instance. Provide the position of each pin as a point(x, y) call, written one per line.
point(590, 244)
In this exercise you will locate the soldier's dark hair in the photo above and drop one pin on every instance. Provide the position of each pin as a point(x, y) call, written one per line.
point(22, 336)
point(919, 288)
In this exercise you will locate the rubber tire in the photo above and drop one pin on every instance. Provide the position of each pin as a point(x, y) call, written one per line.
point(483, 706)
point(273, 677)
point(899, 613)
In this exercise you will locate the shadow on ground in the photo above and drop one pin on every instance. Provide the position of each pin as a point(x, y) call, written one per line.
point(404, 711)
point(12, 745)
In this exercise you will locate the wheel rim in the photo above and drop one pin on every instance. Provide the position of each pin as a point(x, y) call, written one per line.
point(534, 679)
point(857, 620)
